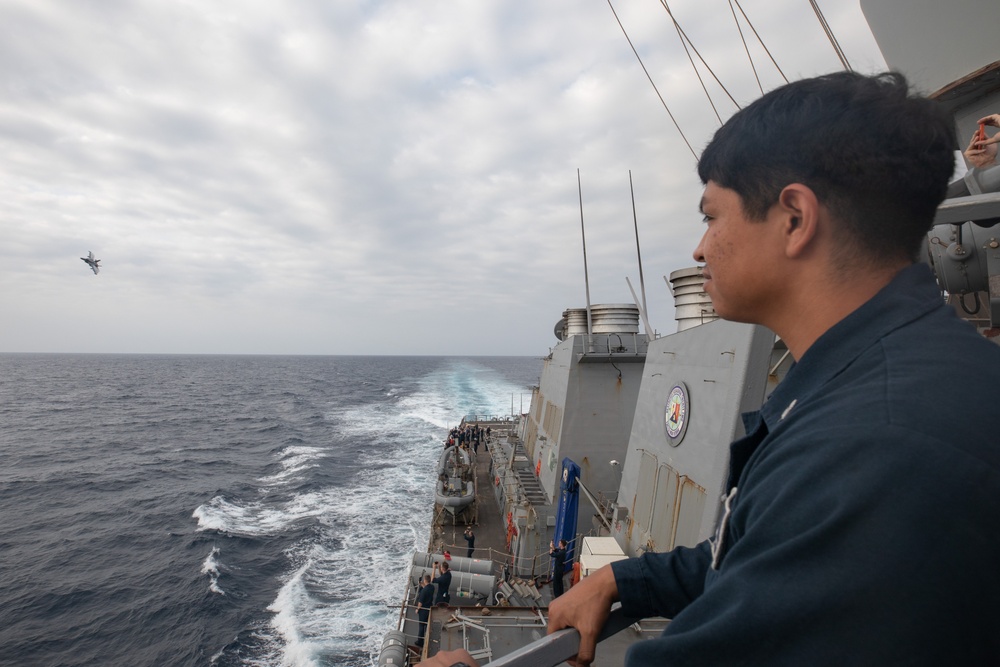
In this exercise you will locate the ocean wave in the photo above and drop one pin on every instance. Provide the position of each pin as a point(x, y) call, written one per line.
point(259, 518)
point(211, 567)
point(295, 461)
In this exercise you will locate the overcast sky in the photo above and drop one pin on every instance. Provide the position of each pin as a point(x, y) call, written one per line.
point(377, 177)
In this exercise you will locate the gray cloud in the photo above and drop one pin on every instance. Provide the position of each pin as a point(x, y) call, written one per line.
point(379, 178)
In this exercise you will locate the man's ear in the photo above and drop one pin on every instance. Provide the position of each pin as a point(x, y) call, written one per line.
point(800, 211)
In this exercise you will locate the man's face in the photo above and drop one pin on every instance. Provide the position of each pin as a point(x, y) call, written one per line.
point(739, 256)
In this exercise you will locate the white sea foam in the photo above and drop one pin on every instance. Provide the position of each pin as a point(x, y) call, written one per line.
point(295, 461)
point(299, 650)
point(257, 518)
point(211, 568)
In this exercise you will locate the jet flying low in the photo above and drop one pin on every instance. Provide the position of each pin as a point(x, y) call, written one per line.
point(94, 264)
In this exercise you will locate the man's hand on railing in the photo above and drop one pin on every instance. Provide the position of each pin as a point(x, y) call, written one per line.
point(585, 607)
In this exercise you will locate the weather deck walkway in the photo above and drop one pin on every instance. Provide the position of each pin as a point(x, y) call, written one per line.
point(487, 524)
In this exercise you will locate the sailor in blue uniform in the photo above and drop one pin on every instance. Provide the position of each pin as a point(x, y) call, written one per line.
point(425, 599)
point(443, 582)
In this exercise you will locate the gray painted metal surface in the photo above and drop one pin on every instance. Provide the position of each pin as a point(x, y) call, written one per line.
point(670, 489)
point(558, 647)
point(934, 43)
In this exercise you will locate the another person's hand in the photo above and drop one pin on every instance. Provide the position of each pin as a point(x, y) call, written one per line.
point(983, 152)
point(449, 658)
point(994, 120)
point(585, 607)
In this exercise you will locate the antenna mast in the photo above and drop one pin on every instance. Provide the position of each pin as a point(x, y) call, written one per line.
point(638, 253)
point(586, 275)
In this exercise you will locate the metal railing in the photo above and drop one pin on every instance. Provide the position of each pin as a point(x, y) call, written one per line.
point(558, 647)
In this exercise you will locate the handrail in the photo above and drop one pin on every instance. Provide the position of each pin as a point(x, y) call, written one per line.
point(554, 649)
point(972, 207)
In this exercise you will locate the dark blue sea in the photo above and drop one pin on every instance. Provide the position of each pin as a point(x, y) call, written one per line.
point(221, 510)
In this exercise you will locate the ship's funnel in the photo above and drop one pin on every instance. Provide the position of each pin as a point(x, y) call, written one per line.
point(692, 306)
point(576, 321)
point(615, 318)
point(608, 318)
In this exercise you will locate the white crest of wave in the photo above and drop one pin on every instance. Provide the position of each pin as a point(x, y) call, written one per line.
point(295, 461)
point(299, 650)
point(211, 568)
point(257, 518)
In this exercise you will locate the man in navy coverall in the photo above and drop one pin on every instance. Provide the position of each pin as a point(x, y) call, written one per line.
point(425, 600)
point(862, 505)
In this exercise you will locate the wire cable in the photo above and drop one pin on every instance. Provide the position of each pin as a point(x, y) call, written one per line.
point(745, 47)
point(662, 101)
point(681, 36)
point(695, 49)
point(829, 35)
point(761, 41)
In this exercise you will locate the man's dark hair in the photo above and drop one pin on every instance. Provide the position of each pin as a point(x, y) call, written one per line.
point(876, 157)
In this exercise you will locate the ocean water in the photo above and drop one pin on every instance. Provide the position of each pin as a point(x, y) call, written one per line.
point(221, 510)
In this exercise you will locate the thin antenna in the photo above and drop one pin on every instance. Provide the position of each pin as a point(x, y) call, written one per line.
point(586, 275)
point(642, 311)
point(642, 282)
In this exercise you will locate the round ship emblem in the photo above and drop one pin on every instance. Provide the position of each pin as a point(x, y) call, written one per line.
point(676, 413)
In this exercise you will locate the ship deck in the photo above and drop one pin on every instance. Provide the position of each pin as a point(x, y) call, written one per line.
point(488, 630)
point(487, 523)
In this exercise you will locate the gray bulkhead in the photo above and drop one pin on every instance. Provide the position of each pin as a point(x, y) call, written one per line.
point(583, 411)
point(671, 487)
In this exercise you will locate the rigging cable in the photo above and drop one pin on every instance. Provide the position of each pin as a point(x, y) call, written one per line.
point(829, 35)
point(695, 49)
point(682, 36)
point(641, 64)
point(745, 47)
point(761, 41)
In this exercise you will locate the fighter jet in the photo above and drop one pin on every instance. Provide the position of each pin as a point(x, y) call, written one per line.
point(94, 264)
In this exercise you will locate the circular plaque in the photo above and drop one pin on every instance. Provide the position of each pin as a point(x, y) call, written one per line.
point(676, 415)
